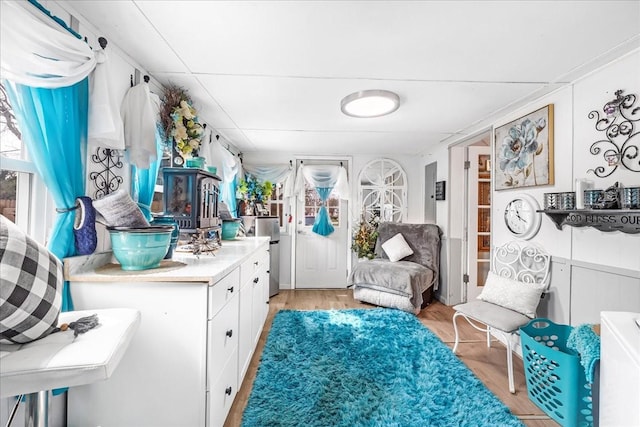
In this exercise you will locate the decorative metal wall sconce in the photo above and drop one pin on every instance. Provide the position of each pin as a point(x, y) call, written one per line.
point(621, 148)
point(106, 180)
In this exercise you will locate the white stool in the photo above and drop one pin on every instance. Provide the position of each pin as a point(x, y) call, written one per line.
point(59, 360)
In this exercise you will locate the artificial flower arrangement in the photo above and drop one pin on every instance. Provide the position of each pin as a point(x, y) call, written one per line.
point(180, 121)
point(255, 191)
point(365, 236)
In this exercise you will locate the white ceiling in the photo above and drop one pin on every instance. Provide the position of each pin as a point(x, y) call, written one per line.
point(269, 76)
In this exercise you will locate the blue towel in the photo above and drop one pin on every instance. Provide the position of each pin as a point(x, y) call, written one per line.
point(586, 343)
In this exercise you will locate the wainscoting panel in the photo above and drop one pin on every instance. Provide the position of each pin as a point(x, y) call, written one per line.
point(557, 301)
point(594, 290)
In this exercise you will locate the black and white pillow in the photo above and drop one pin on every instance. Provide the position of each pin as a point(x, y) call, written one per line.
point(31, 281)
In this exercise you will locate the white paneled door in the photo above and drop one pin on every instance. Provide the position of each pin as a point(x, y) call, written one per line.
point(321, 261)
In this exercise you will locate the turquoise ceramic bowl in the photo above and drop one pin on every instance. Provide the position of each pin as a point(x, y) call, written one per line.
point(140, 248)
point(230, 229)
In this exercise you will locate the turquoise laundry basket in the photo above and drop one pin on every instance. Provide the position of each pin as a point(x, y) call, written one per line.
point(556, 382)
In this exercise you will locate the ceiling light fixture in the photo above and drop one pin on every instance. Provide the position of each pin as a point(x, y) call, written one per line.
point(370, 103)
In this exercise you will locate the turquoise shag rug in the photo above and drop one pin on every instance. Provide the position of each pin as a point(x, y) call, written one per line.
point(377, 367)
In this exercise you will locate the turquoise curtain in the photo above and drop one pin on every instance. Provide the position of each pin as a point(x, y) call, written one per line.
point(322, 225)
point(143, 181)
point(53, 123)
point(228, 195)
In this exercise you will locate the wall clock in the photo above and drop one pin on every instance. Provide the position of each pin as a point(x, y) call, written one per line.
point(521, 217)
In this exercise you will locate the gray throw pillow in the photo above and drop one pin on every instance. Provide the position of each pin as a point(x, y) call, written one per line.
point(31, 281)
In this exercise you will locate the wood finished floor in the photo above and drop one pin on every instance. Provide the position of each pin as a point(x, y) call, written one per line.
point(488, 364)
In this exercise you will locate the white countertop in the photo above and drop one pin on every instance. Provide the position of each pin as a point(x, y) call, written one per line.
point(202, 268)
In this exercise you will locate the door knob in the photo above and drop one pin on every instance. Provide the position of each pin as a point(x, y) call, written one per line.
point(229, 333)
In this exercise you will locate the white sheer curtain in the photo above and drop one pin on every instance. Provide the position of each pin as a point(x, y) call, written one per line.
point(40, 55)
point(274, 174)
point(105, 123)
point(228, 168)
point(139, 112)
point(323, 176)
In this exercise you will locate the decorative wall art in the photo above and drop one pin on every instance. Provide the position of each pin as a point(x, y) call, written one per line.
point(620, 147)
point(524, 151)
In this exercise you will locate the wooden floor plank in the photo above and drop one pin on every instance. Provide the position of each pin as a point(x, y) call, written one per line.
point(488, 364)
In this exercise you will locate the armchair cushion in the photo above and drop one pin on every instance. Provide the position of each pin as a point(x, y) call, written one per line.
point(423, 239)
point(396, 248)
point(30, 287)
point(518, 296)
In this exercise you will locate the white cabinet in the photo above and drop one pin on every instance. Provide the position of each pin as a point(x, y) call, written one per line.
point(222, 352)
point(254, 300)
point(183, 366)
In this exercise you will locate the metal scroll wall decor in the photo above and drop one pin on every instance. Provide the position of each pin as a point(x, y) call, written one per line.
point(621, 146)
point(106, 180)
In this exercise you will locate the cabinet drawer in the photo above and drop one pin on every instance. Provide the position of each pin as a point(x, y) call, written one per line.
point(223, 339)
point(222, 291)
point(251, 265)
point(221, 395)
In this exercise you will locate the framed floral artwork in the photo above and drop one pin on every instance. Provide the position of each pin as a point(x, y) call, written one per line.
point(524, 151)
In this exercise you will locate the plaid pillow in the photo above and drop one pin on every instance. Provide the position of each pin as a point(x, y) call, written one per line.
point(30, 287)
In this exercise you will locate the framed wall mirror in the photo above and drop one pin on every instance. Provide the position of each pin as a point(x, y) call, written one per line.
point(382, 191)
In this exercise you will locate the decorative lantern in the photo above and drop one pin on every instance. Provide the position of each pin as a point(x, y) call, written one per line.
point(191, 198)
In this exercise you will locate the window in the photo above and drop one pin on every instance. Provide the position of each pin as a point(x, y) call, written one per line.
point(157, 205)
point(23, 195)
point(312, 204)
point(275, 204)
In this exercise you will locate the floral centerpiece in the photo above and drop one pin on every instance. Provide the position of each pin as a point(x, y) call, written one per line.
point(180, 121)
point(365, 236)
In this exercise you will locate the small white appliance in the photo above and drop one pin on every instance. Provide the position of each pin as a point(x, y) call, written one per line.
point(619, 369)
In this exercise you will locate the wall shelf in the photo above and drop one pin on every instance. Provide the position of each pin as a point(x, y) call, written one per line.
point(624, 220)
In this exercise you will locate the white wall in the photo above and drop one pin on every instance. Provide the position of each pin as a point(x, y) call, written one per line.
point(590, 245)
point(574, 134)
point(614, 253)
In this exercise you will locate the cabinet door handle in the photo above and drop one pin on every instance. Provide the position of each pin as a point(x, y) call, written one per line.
point(268, 271)
point(228, 391)
point(256, 280)
point(255, 263)
point(230, 289)
point(229, 333)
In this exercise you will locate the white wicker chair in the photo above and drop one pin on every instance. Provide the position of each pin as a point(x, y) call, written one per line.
point(528, 264)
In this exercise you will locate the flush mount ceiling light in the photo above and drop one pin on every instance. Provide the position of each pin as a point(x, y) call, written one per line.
point(370, 103)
